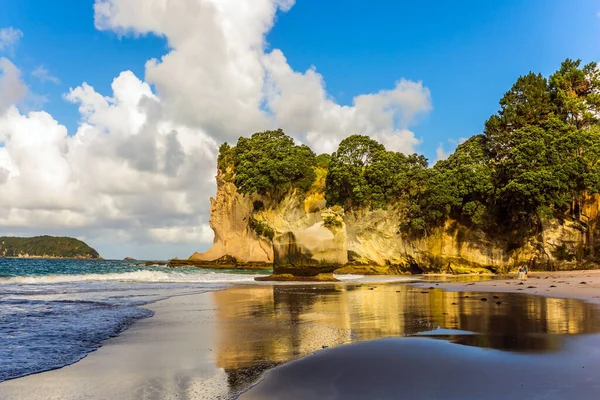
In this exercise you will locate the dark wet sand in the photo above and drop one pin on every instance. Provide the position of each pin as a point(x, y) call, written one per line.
point(215, 345)
point(584, 285)
point(421, 368)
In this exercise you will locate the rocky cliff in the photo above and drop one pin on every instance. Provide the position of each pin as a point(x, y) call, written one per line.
point(245, 226)
point(248, 228)
point(313, 253)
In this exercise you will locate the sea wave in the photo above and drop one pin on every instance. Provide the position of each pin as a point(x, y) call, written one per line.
point(136, 276)
point(150, 276)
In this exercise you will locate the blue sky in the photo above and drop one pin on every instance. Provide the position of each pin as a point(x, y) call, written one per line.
point(467, 53)
point(135, 180)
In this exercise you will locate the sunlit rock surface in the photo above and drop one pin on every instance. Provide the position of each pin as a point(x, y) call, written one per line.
point(371, 239)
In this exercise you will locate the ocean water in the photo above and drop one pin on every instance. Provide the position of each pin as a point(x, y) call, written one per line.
point(54, 312)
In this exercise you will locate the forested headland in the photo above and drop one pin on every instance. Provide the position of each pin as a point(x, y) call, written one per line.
point(45, 247)
point(537, 159)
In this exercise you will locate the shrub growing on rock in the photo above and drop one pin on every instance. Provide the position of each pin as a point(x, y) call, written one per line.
point(260, 228)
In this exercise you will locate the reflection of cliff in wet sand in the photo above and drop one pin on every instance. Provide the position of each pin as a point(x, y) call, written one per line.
point(264, 326)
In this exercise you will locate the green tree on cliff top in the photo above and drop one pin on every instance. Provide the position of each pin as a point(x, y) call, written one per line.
point(270, 162)
point(538, 156)
point(346, 183)
point(543, 146)
point(363, 173)
point(467, 179)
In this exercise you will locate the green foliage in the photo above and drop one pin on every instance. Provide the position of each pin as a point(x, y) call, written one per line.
point(323, 160)
point(346, 183)
point(260, 228)
point(574, 92)
point(49, 246)
point(430, 205)
point(538, 158)
point(526, 103)
point(270, 161)
point(544, 147)
point(331, 221)
point(362, 173)
point(225, 156)
point(466, 179)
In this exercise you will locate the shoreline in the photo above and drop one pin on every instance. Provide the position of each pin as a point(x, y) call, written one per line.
point(126, 366)
point(195, 344)
point(555, 284)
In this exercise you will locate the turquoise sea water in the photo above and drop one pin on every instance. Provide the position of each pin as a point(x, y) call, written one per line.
point(78, 269)
point(54, 312)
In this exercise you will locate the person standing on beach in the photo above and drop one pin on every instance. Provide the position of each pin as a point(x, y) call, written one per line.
point(520, 273)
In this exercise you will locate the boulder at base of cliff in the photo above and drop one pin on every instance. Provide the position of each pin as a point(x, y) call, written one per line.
point(225, 262)
point(312, 253)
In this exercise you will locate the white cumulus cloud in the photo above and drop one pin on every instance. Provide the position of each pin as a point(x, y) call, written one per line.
point(125, 173)
point(219, 76)
point(12, 88)
point(141, 166)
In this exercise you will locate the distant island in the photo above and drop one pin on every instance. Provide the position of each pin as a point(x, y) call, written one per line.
point(45, 247)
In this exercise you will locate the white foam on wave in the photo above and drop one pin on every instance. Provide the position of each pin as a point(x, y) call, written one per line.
point(178, 277)
point(137, 276)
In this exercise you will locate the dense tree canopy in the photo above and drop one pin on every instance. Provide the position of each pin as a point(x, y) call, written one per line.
point(363, 173)
point(543, 146)
point(269, 161)
point(537, 157)
point(45, 246)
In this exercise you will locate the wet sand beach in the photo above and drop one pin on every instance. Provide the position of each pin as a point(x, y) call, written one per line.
point(420, 368)
point(584, 285)
point(216, 345)
point(499, 357)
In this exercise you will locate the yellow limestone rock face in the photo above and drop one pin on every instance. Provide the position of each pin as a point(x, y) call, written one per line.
point(373, 240)
point(305, 236)
point(229, 214)
point(319, 249)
